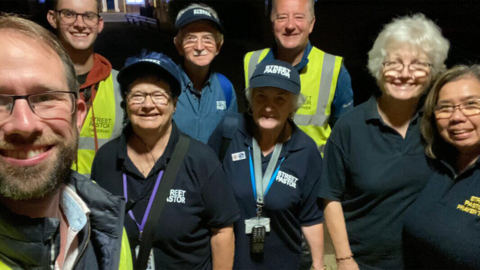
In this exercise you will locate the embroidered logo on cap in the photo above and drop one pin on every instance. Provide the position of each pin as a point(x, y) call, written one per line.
point(285, 72)
point(150, 60)
point(201, 12)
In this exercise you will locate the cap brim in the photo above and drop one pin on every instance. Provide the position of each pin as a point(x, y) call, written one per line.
point(191, 19)
point(269, 81)
point(128, 74)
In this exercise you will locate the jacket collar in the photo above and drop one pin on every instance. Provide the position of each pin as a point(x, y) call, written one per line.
point(271, 56)
point(187, 83)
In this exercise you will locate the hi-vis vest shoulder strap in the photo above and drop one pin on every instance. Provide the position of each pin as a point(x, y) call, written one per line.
point(319, 81)
point(108, 123)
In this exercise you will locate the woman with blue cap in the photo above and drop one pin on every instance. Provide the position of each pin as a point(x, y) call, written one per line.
point(274, 170)
point(180, 210)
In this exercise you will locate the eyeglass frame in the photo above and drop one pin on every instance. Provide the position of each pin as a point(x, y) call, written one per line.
point(428, 65)
point(129, 97)
point(193, 42)
point(76, 16)
point(17, 97)
point(454, 109)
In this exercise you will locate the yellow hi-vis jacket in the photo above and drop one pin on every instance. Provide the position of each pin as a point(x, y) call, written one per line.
point(108, 123)
point(318, 81)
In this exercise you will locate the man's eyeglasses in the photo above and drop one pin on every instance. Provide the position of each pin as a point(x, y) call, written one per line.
point(191, 40)
point(47, 105)
point(417, 69)
point(69, 16)
point(467, 107)
point(158, 98)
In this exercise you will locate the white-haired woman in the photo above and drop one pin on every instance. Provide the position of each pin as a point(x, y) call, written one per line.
point(375, 164)
point(274, 169)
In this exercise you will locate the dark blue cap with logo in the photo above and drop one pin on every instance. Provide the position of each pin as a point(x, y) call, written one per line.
point(195, 14)
point(276, 73)
point(148, 63)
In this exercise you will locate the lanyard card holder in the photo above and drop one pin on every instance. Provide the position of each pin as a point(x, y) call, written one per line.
point(258, 228)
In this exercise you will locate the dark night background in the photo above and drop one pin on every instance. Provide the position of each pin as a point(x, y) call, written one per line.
point(343, 27)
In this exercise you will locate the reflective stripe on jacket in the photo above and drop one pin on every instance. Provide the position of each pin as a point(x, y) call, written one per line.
point(109, 123)
point(319, 81)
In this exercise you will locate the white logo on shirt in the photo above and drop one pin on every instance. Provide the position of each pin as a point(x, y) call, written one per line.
point(221, 105)
point(176, 196)
point(287, 179)
point(238, 156)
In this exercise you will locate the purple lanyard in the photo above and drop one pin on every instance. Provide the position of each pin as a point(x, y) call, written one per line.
point(150, 202)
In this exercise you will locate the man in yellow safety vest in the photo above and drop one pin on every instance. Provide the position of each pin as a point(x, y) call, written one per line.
point(77, 24)
point(326, 83)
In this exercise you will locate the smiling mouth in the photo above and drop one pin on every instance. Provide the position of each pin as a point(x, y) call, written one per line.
point(79, 34)
point(24, 153)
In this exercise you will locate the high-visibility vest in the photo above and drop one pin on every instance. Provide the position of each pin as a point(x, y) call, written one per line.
point(318, 81)
point(109, 123)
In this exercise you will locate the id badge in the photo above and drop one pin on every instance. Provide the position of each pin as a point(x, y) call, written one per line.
point(151, 260)
point(256, 222)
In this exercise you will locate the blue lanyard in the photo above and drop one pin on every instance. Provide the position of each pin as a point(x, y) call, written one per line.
point(252, 175)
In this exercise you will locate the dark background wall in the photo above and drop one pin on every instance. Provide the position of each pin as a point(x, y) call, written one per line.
point(343, 27)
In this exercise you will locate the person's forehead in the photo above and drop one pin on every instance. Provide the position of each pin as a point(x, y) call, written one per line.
point(78, 6)
point(403, 49)
point(28, 65)
point(295, 6)
point(200, 26)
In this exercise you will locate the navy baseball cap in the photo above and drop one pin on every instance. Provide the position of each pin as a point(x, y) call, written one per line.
point(150, 62)
point(276, 73)
point(195, 14)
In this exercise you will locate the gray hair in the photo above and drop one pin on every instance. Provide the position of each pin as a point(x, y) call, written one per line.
point(44, 37)
point(297, 100)
point(311, 8)
point(416, 30)
point(435, 145)
point(218, 34)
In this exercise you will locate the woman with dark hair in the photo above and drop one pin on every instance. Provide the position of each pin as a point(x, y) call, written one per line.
point(194, 229)
point(374, 163)
point(442, 228)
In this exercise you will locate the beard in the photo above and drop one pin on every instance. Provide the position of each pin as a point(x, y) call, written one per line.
point(40, 180)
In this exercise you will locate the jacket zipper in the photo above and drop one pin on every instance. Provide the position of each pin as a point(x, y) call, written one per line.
point(84, 246)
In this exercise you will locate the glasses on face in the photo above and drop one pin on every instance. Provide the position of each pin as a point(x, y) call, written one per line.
point(467, 107)
point(191, 40)
point(45, 105)
point(69, 16)
point(417, 69)
point(158, 98)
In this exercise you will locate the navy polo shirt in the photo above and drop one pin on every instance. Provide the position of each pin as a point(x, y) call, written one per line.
point(199, 200)
point(376, 174)
point(442, 228)
point(290, 203)
point(198, 114)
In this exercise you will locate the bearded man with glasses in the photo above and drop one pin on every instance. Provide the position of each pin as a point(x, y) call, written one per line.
point(50, 216)
point(77, 24)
